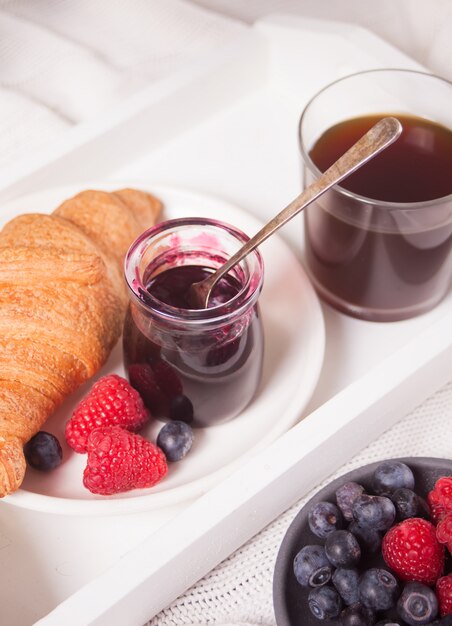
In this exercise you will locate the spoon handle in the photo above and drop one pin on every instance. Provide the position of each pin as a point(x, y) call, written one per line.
point(374, 141)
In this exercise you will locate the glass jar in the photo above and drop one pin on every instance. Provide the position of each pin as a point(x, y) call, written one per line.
point(201, 366)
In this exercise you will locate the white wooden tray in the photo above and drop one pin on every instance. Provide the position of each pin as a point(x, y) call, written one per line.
point(228, 129)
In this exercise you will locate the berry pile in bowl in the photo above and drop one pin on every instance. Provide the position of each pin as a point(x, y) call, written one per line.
point(371, 548)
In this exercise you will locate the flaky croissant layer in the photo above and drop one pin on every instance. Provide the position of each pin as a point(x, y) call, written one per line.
point(62, 303)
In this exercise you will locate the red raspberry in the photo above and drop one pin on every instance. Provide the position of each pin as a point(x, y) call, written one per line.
point(440, 498)
point(444, 595)
point(167, 378)
point(111, 402)
point(444, 531)
point(157, 384)
point(142, 378)
point(120, 461)
point(413, 552)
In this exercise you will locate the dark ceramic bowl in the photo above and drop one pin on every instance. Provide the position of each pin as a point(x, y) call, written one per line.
point(290, 600)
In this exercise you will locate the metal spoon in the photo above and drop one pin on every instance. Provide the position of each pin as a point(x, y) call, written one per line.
point(379, 137)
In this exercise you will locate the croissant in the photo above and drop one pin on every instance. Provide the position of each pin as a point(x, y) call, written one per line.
point(62, 303)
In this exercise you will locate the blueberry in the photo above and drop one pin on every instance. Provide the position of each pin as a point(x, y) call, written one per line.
point(324, 602)
point(346, 583)
point(342, 548)
point(357, 615)
point(368, 538)
point(323, 518)
point(418, 604)
point(409, 504)
point(311, 566)
point(388, 622)
point(181, 409)
point(378, 589)
point(377, 512)
point(346, 495)
point(424, 509)
point(175, 439)
point(392, 475)
point(43, 451)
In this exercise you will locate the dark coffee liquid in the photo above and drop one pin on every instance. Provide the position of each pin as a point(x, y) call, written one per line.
point(415, 168)
point(386, 264)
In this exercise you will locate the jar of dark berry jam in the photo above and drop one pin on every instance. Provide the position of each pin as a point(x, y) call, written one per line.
point(196, 365)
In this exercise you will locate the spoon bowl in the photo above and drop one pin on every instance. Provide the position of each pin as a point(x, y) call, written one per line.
point(379, 137)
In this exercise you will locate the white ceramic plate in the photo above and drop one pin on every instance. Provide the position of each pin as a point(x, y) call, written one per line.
point(294, 349)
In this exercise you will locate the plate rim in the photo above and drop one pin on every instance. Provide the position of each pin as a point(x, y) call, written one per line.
point(148, 501)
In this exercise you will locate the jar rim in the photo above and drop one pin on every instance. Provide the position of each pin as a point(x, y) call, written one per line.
point(377, 204)
point(246, 296)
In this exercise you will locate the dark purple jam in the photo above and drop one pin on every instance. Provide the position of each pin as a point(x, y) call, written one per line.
point(172, 286)
point(205, 374)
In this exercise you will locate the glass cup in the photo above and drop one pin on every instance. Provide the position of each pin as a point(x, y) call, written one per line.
point(381, 257)
point(200, 366)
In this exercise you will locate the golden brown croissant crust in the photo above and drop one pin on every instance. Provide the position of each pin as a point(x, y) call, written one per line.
point(62, 302)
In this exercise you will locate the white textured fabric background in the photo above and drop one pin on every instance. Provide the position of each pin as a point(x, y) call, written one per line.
point(64, 62)
point(421, 28)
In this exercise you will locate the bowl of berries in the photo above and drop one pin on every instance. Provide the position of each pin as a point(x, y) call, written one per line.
point(372, 548)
